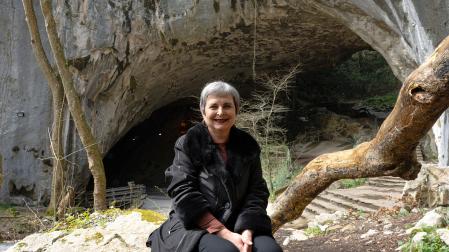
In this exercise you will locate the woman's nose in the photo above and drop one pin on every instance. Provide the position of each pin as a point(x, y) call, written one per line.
point(220, 111)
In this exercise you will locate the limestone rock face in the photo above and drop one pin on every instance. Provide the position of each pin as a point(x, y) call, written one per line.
point(429, 189)
point(130, 58)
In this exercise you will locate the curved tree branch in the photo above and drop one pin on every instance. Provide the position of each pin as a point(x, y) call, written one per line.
point(422, 98)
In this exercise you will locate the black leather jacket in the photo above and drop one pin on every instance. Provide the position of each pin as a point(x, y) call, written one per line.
point(235, 193)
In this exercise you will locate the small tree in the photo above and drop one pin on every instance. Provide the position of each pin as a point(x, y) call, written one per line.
point(59, 165)
point(261, 117)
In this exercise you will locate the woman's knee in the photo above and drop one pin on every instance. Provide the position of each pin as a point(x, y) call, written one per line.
point(210, 242)
point(265, 243)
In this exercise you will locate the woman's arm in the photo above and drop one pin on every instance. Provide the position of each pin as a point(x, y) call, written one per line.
point(188, 202)
point(253, 215)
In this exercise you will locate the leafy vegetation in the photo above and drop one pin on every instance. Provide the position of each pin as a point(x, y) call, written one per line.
point(430, 243)
point(382, 103)
point(363, 74)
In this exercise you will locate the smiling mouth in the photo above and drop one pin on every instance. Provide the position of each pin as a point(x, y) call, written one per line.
point(220, 120)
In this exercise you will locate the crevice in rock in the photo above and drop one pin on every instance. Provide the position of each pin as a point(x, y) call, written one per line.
point(27, 191)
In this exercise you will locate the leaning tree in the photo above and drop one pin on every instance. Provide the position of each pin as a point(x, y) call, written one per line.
point(61, 80)
point(424, 96)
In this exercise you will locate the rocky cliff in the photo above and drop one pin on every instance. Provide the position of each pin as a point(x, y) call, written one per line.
point(132, 57)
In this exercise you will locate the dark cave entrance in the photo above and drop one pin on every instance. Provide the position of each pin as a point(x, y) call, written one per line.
point(144, 153)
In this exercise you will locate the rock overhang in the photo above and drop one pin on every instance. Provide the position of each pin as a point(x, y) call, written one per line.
point(132, 57)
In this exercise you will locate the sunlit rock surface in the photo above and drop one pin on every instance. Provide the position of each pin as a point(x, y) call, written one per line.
point(125, 233)
point(132, 57)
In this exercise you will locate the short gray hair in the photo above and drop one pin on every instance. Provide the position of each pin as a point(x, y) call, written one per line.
point(219, 88)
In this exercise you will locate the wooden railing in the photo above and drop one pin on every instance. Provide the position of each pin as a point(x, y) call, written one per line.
point(130, 196)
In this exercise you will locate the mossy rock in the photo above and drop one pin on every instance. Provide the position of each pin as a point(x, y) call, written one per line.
point(150, 215)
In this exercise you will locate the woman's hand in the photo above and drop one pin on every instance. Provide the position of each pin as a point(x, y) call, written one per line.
point(247, 238)
point(235, 238)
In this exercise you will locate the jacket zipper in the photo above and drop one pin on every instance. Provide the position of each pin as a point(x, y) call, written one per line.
point(228, 211)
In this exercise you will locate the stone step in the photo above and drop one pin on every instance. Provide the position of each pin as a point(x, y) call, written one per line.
point(388, 180)
point(390, 191)
point(323, 206)
point(340, 205)
point(354, 203)
point(314, 209)
point(384, 184)
point(378, 192)
point(308, 214)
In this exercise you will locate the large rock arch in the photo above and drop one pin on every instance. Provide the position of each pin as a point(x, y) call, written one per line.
point(132, 57)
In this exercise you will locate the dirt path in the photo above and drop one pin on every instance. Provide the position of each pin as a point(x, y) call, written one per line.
point(352, 234)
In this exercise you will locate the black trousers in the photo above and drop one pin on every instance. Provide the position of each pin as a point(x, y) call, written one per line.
point(213, 243)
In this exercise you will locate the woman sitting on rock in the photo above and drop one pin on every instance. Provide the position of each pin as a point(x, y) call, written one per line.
point(218, 193)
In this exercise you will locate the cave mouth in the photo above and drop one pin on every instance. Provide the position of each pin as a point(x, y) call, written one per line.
point(144, 153)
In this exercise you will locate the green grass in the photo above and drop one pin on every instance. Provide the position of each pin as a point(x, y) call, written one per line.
point(314, 231)
point(351, 183)
point(9, 209)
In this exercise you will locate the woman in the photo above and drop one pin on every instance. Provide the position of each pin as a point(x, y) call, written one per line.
point(218, 193)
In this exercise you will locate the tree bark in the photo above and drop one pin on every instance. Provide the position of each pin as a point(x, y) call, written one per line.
point(59, 165)
point(1, 171)
point(423, 97)
point(94, 156)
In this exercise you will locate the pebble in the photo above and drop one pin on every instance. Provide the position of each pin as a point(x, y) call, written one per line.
point(286, 241)
point(368, 234)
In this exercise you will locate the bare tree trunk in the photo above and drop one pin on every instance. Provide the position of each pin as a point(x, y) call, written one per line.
point(93, 153)
point(422, 98)
point(59, 165)
point(1, 171)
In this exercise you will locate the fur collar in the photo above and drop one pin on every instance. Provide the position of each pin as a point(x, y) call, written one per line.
point(199, 145)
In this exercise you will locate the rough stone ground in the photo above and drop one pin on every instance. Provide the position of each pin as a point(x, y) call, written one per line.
point(342, 236)
point(347, 235)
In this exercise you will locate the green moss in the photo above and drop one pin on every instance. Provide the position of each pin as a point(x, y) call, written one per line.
point(150, 216)
point(97, 237)
point(21, 245)
point(87, 219)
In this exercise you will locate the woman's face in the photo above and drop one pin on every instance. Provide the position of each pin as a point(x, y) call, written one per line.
point(219, 112)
